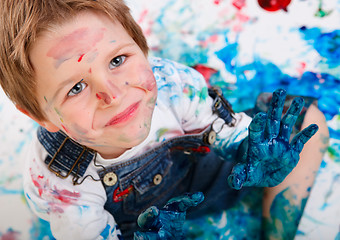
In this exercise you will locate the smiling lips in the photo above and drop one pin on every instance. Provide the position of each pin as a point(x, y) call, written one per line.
point(124, 116)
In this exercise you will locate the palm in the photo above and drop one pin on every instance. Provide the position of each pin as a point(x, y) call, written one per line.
point(270, 156)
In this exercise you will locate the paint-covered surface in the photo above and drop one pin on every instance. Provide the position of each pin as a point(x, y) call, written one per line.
point(244, 48)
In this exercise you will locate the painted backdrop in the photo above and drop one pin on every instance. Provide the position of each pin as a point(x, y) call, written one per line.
point(245, 47)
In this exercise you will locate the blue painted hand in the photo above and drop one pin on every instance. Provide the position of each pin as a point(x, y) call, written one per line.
point(166, 223)
point(270, 157)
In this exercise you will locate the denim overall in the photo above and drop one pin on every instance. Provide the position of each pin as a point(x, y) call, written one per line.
point(179, 165)
point(182, 164)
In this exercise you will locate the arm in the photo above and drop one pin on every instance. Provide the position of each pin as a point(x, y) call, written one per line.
point(284, 204)
point(74, 212)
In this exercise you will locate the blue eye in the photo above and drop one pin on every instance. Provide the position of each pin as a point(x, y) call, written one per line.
point(78, 88)
point(117, 61)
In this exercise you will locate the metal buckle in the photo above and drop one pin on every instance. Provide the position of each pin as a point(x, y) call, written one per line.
point(222, 99)
point(58, 173)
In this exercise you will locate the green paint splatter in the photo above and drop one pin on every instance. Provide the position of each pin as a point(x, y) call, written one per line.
point(161, 132)
point(57, 111)
point(322, 13)
point(204, 94)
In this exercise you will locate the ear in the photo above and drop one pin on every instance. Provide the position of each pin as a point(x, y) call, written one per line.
point(46, 124)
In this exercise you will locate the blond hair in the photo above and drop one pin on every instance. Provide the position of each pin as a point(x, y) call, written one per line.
point(21, 22)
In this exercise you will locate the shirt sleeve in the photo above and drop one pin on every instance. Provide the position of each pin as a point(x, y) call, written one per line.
point(74, 212)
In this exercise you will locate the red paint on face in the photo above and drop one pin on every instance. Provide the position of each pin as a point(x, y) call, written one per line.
point(104, 96)
point(64, 128)
point(76, 43)
point(81, 57)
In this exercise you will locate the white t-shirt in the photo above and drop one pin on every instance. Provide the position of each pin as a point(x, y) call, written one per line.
point(77, 212)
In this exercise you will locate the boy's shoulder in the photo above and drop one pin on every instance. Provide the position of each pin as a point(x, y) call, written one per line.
point(170, 73)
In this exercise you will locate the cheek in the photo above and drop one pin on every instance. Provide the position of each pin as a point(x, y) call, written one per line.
point(148, 80)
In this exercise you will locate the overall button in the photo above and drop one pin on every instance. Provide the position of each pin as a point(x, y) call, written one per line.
point(211, 138)
point(110, 179)
point(157, 179)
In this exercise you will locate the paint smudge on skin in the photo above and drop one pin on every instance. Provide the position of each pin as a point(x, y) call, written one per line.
point(148, 80)
point(285, 215)
point(75, 44)
point(65, 128)
point(81, 57)
point(105, 97)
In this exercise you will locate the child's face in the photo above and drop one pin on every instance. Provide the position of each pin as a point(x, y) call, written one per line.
point(94, 83)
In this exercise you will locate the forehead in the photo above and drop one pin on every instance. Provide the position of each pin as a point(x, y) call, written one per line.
point(85, 29)
point(88, 34)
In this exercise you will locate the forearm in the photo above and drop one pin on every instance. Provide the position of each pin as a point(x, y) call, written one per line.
point(284, 204)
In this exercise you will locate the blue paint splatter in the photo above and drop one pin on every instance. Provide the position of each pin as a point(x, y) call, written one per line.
point(326, 44)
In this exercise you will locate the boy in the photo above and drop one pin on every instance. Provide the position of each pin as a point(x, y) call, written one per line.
point(120, 133)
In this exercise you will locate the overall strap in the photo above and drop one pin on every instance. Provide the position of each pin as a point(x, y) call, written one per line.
point(65, 156)
point(221, 106)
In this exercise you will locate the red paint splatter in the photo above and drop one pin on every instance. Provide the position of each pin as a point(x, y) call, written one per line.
point(10, 235)
point(81, 57)
point(37, 181)
point(142, 16)
point(104, 96)
point(207, 72)
point(239, 4)
point(80, 41)
point(65, 196)
point(64, 128)
point(302, 68)
point(274, 5)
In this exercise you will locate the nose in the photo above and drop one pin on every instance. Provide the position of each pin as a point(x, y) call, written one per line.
point(105, 97)
point(107, 92)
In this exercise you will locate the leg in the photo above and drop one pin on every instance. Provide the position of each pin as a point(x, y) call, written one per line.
point(283, 205)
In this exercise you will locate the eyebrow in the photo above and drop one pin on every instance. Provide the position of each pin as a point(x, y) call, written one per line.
point(71, 79)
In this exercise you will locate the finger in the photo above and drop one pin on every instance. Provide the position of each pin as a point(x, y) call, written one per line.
point(256, 128)
point(274, 113)
point(302, 137)
point(290, 117)
point(182, 203)
point(149, 218)
point(146, 236)
point(238, 176)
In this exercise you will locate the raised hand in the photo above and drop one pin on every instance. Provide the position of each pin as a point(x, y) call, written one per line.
point(166, 223)
point(270, 157)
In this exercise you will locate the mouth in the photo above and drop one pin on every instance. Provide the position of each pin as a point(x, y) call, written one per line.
point(124, 116)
